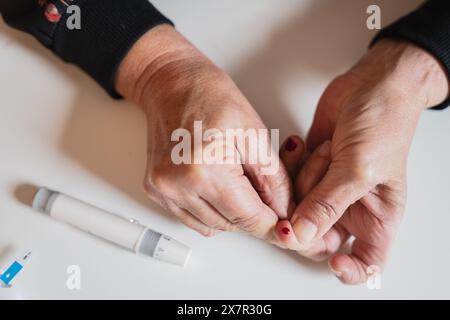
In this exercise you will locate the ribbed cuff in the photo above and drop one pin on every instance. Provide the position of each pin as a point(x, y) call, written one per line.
point(429, 28)
point(109, 28)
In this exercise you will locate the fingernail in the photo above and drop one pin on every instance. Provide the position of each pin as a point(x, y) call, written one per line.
point(336, 273)
point(325, 149)
point(306, 230)
point(286, 230)
point(290, 145)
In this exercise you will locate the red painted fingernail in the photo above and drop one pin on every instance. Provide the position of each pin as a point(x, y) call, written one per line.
point(286, 231)
point(52, 14)
point(290, 145)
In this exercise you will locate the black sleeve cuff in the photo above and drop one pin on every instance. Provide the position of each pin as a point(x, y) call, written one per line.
point(109, 28)
point(427, 27)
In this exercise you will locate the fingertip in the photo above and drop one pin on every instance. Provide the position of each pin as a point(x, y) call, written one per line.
point(339, 269)
point(291, 153)
point(285, 235)
point(293, 143)
point(304, 229)
point(345, 269)
point(208, 233)
point(284, 231)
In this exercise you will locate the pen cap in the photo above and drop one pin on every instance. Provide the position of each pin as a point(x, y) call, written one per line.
point(164, 248)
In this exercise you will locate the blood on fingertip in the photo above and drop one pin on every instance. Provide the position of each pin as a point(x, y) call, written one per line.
point(291, 145)
point(286, 231)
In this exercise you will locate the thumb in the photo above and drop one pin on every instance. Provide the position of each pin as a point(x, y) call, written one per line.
point(326, 204)
point(275, 189)
point(267, 173)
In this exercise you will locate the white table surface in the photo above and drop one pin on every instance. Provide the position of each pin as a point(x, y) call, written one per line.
point(58, 128)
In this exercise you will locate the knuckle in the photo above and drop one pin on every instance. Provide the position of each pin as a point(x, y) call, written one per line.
point(194, 173)
point(249, 224)
point(271, 188)
point(157, 178)
point(280, 181)
point(163, 178)
point(362, 172)
point(148, 187)
point(223, 226)
point(325, 210)
point(208, 232)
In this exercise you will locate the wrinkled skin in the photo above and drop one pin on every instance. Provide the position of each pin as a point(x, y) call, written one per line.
point(354, 183)
point(176, 86)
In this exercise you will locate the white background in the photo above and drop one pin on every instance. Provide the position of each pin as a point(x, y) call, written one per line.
point(59, 129)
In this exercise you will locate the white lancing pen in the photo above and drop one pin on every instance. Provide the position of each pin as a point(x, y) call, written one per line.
point(121, 231)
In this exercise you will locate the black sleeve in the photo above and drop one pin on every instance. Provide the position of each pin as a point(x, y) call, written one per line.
point(427, 27)
point(108, 29)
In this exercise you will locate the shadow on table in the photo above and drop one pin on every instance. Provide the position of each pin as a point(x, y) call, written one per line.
point(107, 138)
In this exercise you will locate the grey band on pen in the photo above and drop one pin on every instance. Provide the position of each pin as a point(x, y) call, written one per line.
point(44, 199)
point(149, 242)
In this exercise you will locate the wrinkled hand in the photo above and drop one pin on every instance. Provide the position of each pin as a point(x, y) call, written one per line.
point(354, 183)
point(176, 85)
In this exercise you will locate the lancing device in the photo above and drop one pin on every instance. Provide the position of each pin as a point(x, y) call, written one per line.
point(127, 233)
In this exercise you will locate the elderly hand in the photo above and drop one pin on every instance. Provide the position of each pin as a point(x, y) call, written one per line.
point(176, 86)
point(355, 183)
